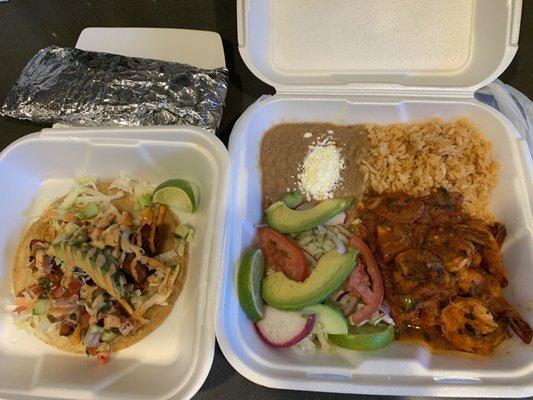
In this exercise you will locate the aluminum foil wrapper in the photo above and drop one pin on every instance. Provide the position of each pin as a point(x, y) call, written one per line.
point(83, 88)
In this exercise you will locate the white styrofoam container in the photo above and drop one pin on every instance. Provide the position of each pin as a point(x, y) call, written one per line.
point(354, 61)
point(175, 359)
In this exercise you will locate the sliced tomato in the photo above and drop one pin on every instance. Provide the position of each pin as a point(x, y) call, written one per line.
point(365, 282)
point(283, 254)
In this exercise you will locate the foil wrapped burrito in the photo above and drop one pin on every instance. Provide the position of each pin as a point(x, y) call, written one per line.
point(82, 88)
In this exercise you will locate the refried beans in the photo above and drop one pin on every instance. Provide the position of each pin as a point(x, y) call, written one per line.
point(285, 146)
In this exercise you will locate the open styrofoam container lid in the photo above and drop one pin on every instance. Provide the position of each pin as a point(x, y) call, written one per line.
point(201, 49)
point(360, 46)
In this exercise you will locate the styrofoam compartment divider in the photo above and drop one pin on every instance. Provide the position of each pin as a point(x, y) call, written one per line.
point(176, 358)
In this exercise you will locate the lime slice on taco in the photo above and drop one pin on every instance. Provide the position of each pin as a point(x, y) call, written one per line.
point(177, 194)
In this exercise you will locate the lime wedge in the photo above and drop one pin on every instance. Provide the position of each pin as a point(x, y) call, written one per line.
point(366, 337)
point(249, 284)
point(176, 193)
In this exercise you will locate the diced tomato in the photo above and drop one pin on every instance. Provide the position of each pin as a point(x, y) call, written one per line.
point(84, 319)
point(283, 254)
point(57, 292)
point(75, 285)
point(103, 356)
point(365, 282)
point(34, 290)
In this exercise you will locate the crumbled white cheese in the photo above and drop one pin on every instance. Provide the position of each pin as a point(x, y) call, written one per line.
point(307, 135)
point(320, 172)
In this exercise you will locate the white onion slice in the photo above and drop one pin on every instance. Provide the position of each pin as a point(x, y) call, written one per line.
point(337, 219)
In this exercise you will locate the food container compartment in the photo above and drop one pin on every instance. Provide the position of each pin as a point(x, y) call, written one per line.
point(401, 369)
point(320, 83)
point(175, 359)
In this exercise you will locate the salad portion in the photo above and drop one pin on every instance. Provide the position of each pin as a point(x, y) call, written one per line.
point(311, 282)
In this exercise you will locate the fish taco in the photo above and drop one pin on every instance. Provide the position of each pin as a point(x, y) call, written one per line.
point(100, 269)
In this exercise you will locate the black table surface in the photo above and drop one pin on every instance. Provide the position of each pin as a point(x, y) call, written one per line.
point(29, 25)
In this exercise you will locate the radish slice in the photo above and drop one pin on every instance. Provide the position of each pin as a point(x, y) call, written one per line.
point(284, 328)
point(337, 219)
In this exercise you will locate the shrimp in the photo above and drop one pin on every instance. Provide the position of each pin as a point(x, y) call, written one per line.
point(509, 315)
point(474, 283)
point(455, 252)
point(469, 325)
point(490, 250)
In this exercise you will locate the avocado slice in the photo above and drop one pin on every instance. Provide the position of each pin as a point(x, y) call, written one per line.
point(331, 271)
point(286, 220)
point(328, 319)
point(293, 200)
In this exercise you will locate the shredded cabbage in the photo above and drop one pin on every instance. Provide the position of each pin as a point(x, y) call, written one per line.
point(166, 257)
point(129, 185)
point(98, 198)
point(305, 345)
point(142, 188)
point(86, 180)
point(180, 247)
point(83, 191)
point(381, 315)
point(123, 182)
point(339, 232)
point(323, 340)
point(312, 342)
point(69, 199)
point(314, 242)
